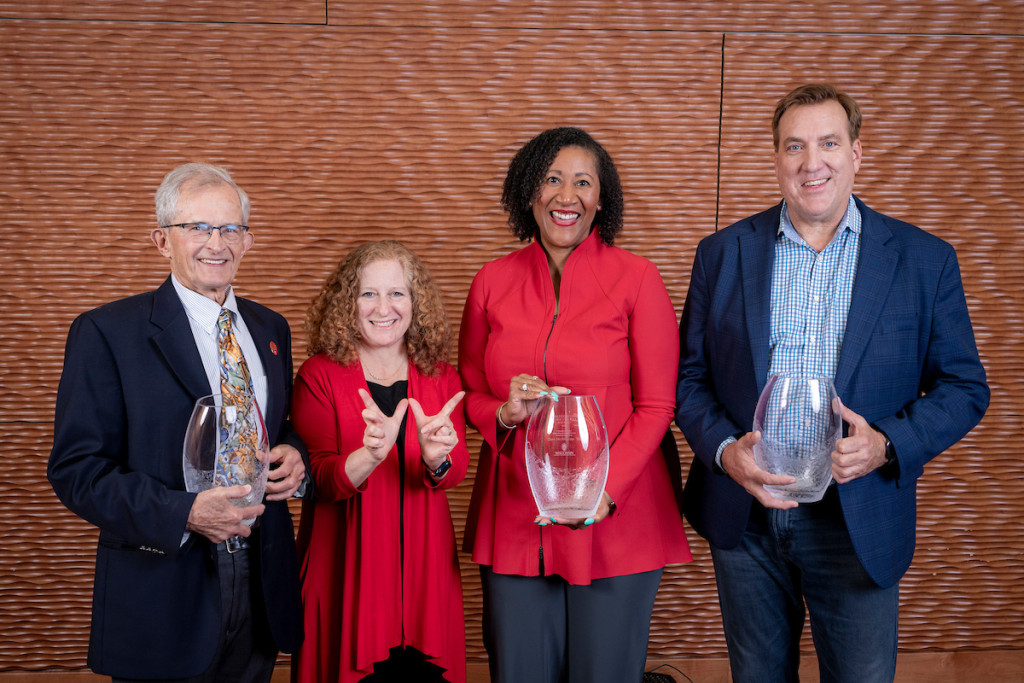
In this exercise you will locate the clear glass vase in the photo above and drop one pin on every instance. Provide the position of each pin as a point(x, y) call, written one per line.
point(799, 420)
point(567, 456)
point(226, 444)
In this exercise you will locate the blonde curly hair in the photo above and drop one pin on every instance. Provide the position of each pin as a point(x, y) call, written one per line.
point(331, 320)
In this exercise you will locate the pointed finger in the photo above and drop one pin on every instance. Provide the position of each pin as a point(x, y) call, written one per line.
point(367, 399)
point(400, 409)
point(417, 411)
point(452, 402)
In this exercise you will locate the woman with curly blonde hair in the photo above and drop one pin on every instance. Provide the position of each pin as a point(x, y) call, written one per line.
point(380, 576)
point(331, 323)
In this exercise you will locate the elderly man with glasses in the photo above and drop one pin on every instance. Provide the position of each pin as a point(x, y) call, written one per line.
point(184, 589)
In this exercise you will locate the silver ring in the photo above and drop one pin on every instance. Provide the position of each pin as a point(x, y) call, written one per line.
point(524, 386)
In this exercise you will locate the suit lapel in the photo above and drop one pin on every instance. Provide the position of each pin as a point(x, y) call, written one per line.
point(174, 340)
point(876, 269)
point(757, 254)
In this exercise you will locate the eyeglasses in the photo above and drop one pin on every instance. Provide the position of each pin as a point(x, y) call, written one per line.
point(200, 232)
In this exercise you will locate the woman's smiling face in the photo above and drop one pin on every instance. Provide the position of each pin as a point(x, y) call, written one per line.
point(383, 304)
point(568, 201)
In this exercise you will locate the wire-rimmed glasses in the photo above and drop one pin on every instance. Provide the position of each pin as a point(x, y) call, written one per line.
point(200, 232)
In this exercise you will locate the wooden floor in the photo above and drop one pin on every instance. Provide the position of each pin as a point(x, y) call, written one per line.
point(990, 666)
point(962, 666)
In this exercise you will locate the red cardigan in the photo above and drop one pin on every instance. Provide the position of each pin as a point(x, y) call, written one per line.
point(360, 598)
point(615, 337)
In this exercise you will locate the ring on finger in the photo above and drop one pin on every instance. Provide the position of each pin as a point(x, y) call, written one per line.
point(524, 386)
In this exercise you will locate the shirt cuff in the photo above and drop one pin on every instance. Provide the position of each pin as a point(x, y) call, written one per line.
point(718, 454)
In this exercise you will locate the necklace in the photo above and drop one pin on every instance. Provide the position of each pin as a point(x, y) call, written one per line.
point(387, 377)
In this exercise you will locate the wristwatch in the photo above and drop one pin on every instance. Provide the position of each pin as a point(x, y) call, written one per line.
point(890, 452)
point(442, 469)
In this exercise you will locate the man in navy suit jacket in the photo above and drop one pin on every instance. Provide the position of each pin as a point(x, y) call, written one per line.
point(183, 590)
point(821, 281)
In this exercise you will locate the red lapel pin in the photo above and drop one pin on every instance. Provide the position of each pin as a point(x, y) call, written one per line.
point(273, 348)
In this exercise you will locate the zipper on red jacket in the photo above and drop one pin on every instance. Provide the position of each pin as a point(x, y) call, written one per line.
point(540, 553)
point(544, 364)
point(546, 341)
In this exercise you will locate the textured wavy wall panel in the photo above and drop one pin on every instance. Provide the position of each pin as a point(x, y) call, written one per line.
point(339, 136)
point(249, 11)
point(398, 120)
point(811, 16)
point(965, 588)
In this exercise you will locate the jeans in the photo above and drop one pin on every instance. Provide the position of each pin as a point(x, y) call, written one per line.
point(787, 558)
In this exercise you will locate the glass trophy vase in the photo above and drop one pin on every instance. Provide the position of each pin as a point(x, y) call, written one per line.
point(225, 445)
point(799, 420)
point(567, 456)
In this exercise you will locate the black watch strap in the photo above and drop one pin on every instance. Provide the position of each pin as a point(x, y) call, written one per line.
point(890, 452)
point(442, 469)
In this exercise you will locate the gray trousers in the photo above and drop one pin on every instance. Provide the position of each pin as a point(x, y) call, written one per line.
point(541, 629)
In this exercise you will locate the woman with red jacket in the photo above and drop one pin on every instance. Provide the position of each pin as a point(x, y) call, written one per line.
point(381, 588)
point(570, 600)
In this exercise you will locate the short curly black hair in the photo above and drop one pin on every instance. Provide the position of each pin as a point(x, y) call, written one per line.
point(526, 172)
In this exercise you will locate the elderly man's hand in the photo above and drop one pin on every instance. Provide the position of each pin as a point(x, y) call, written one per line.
point(214, 515)
point(284, 479)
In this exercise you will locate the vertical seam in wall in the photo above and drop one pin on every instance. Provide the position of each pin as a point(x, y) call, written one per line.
point(721, 114)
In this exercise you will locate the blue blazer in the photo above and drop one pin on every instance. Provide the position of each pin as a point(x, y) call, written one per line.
point(131, 376)
point(908, 364)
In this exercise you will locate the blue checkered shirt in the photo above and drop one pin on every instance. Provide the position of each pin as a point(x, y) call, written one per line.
point(811, 297)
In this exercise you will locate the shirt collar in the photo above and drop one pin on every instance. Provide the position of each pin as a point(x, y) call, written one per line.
point(202, 309)
point(851, 221)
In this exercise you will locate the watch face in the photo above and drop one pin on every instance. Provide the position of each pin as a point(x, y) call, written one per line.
point(443, 469)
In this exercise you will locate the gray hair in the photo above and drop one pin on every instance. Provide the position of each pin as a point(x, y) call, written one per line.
point(199, 175)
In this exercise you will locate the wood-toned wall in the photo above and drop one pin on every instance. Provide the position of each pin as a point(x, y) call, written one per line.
point(352, 121)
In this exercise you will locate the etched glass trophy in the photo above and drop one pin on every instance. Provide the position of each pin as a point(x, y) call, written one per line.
point(567, 456)
point(799, 420)
point(226, 444)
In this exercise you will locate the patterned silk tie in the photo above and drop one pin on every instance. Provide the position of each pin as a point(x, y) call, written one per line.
point(235, 464)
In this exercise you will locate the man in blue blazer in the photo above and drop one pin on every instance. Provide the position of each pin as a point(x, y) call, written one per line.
point(184, 590)
point(822, 284)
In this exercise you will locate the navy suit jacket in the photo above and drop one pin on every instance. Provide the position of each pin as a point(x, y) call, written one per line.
point(131, 376)
point(908, 364)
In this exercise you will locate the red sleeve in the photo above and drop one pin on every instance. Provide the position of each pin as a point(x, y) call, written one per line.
point(654, 357)
point(481, 404)
point(315, 414)
point(449, 385)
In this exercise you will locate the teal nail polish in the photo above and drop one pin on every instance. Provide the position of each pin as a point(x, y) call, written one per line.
point(541, 522)
point(553, 520)
point(590, 520)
